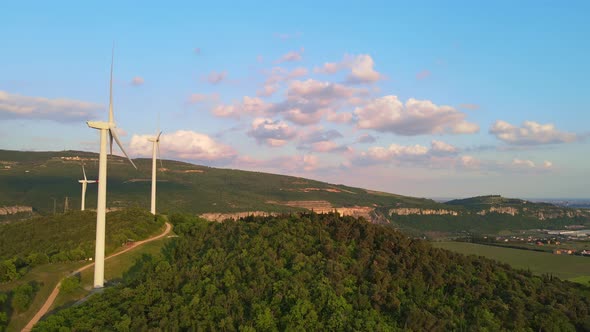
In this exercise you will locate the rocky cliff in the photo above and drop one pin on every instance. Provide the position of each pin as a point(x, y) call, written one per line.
point(6, 210)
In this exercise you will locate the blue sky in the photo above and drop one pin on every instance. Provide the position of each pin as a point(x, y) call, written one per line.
point(424, 99)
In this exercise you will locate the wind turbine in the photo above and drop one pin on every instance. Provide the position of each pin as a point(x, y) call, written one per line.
point(84, 183)
point(105, 128)
point(156, 146)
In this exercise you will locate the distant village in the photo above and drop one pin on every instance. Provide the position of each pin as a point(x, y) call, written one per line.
point(574, 240)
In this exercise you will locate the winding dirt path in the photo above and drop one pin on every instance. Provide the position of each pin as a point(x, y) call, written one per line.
point(55, 291)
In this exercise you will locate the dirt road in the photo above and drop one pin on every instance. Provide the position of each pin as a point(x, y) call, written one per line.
point(55, 291)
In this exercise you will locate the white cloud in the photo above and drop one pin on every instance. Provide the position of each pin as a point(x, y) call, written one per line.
point(526, 164)
point(523, 163)
point(297, 116)
point(226, 111)
point(416, 117)
point(465, 127)
point(319, 140)
point(324, 92)
point(308, 101)
point(530, 133)
point(469, 162)
point(413, 154)
point(137, 81)
point(59, 109)
point(361, 69)
point(280, 74)
point(378, 154)
point(184, 144)
point(272, 133)
point(216, 77)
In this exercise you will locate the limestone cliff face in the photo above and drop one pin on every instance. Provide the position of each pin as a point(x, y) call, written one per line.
point(357, 211)
point(6, 210)
point(499, 209)
point(552, 214)
point(410, 211)
point(541, 214)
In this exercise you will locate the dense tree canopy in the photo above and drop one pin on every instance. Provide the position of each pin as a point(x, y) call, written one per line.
point(322, 272)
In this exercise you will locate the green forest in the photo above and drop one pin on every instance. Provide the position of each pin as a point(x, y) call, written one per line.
point(321, 272)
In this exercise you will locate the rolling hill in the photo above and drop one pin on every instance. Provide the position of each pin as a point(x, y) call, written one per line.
point(35, 179)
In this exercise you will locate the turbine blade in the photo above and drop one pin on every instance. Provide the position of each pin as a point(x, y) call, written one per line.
point(159, 156)
point(83, 171)
point(111, 116)
point(158, 137)
point(114, 135)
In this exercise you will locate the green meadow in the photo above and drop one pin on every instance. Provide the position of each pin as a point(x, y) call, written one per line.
point(573, 268)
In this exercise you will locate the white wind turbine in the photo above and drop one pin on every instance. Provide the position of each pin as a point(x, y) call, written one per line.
point(155, 146)
point(84, 183)
point(105, 128)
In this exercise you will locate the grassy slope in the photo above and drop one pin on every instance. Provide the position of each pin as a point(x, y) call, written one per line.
point(566, 267)
point(114, 269)
point(47, 276)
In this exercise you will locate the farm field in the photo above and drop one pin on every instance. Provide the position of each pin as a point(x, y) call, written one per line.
point(574, 268)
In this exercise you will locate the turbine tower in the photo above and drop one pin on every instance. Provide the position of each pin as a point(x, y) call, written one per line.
point(84, 183)
point(105, 128)
point(156, 146)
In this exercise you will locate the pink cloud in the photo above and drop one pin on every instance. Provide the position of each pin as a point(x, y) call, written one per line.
point(184, 144)
point(471, 107)
point(416, 117)
point(58, 109)
point(530, 133)
point(137, 81)
point(292, 56)
point(216, 77)
point(270, 132)
point(361, 69)
point(251, 106)
point(196, 98)
point(423, 75)
point(343, 117)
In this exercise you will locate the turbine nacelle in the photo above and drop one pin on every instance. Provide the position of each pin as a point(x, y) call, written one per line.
point(112, 128)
